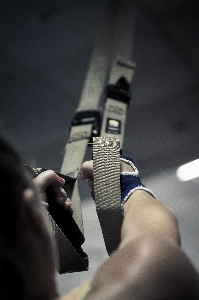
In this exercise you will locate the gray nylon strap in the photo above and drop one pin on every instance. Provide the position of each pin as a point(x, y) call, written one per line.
point(69, 259)
point(106, 171)
point(91, 96)
point(75, 149)
point(122, 66)
point(100, 61)
point(110, 60)
point(74, 155)
point(97, 76)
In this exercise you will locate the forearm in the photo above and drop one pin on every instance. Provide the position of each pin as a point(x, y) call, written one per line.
point(144, 215)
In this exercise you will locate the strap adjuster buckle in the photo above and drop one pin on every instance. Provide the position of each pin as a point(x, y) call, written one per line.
point(88, 117)
point(120, 91)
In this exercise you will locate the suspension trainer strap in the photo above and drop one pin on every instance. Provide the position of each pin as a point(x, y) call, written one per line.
point(106, 149)
point(110, 63)
point(122, 70)
point(71, 259)
point(87, 121)
point(106, 171)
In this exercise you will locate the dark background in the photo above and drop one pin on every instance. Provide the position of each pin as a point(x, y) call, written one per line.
point(45, 49)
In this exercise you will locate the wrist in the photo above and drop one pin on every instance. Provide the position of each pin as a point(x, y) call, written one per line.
point(129, 179)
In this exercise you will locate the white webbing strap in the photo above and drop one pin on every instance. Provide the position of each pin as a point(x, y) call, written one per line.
point(87, 113)
point(74, 155)
point(111, 60)
point(121, 72)
point(100, 62)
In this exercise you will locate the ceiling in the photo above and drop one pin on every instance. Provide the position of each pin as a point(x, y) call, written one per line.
point(165, 100)
point(45, 52)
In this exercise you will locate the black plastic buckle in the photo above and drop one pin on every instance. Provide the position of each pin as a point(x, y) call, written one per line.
point(88, 117)
point(120, 91)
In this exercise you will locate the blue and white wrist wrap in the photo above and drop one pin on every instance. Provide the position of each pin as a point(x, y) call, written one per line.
point(130, 181)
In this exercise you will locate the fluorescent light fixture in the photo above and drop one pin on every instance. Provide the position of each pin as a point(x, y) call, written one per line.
point(188, 171)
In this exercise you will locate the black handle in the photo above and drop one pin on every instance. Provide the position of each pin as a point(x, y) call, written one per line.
point(64, 220)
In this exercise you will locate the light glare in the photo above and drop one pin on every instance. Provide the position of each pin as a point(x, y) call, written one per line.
point(188, 171)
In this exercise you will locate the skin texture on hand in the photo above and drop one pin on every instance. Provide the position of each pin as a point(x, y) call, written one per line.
point(48, 178)
point(86, 173)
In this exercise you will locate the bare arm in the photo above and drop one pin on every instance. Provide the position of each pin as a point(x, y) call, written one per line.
point(143, 214)
point(149, 263)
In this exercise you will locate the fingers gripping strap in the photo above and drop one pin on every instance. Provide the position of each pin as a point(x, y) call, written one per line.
point(106, 170)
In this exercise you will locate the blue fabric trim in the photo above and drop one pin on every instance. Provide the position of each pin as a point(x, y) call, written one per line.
point(127, 157)
point(128, 183)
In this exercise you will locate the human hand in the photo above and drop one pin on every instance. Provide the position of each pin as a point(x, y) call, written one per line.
point(86, 173)
point(50, 178)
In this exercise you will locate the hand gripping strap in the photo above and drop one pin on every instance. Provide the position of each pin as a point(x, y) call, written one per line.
point(106, 171)
point(65, 232)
